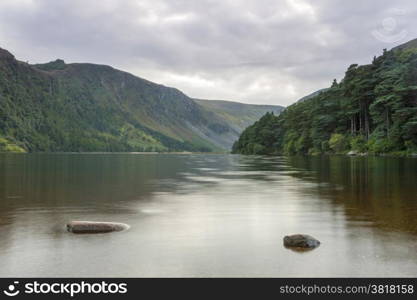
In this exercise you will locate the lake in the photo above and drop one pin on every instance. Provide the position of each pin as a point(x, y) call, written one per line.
point(205, 215)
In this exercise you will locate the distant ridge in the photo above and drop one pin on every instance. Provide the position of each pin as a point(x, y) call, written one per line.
point(314, 94)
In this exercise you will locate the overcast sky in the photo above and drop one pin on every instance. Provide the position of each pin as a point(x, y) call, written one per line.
point(262, 51)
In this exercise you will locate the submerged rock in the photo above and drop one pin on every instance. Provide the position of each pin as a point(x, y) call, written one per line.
point(303, 241)
point(95, 227)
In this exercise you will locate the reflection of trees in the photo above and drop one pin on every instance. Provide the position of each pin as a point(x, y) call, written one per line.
point(381, 188)
point(60, 183)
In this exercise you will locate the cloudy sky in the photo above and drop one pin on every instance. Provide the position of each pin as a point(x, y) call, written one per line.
point(261, 51)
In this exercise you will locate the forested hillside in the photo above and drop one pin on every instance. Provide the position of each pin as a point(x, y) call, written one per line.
point(86, 107)
point(373, 109)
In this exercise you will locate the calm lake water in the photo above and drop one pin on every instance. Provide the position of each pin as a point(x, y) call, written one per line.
point(207, 215)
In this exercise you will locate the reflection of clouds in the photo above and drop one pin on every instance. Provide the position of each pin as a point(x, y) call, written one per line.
point(204, 179)
point(182, 227)
point(152, 211)
point(207, 169)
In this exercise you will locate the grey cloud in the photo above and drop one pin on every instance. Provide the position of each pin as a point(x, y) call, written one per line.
point(265, 51)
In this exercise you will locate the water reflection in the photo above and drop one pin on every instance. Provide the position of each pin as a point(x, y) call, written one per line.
point(378, 189)
point(207, 215)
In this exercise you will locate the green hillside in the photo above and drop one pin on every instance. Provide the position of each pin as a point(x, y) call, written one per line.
point(238, 116)
point(87, 107)
point(373, 109)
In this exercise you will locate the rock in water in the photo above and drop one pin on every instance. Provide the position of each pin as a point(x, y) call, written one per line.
point(95, 227)
point(300, 241)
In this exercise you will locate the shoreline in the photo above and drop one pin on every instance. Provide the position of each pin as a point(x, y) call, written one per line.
point(102, 152)
point(349, 154)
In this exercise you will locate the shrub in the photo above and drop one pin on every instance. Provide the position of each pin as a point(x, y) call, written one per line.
point(338, 142)
point(258, 149)
point(411, 147)
point(358, 143)
point(6, 146)
point(383, 145)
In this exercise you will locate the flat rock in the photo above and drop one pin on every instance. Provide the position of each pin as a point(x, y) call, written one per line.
point(95, 227)
point(301, 241)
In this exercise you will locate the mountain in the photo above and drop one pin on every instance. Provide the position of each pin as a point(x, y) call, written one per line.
point(373, 109)
point(88, 107)
point(314, 94)
point(237, 115)
point(409, 45)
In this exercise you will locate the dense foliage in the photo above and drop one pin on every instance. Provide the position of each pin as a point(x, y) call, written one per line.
point(260, 138)
point(373, 109)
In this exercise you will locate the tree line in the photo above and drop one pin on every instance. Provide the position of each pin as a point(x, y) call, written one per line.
point(373, 109)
